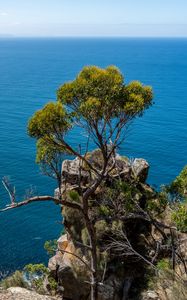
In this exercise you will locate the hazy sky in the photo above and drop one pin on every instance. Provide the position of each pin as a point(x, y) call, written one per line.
point(93, 17)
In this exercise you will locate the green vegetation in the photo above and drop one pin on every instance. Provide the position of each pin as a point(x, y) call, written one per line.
point(14, 280)
point(163, 264)
point(32, 277)
point(179, 216)
point(51, 247)
point(179, 185)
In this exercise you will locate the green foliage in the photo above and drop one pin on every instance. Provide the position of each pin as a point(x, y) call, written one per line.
point(104, 210)
point(179, 185)
point(36, 269)
point(101, 93)
point(38, 285)
point(15, 280)
point(179, 216)
point(50, 247)
point(36, 275)
point(52, 283)
point(32, 277)
point(163, 264)
point(49, 153)
point(74, 196)
point(95, 95)
point(49, 121)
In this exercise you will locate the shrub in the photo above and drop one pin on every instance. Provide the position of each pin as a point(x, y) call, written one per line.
point(104, 210)
point(15, 280)
point(36, 269)
point(52, 282)
point(179, 216)
point(163, 264)
point(50, 247)
point(35, 274)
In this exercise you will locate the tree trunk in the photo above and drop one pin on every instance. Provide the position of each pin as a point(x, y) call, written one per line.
point(93, 262)
point(94, 288)
point(93, 277)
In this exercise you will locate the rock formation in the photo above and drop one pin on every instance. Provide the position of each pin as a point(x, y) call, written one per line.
point(124, 275)
point(70, 271)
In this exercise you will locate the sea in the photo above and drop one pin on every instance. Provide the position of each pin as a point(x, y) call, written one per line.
point(31, 70)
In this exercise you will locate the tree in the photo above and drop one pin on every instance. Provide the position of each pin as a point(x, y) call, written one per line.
point(102, 105)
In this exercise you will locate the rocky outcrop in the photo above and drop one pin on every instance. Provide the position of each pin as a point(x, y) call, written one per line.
point(123, 204)
point(17, 293)
point(125, 168)
point(69, 271)
point(123, 273)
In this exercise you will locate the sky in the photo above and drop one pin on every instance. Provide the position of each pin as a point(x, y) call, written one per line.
point(130, 18)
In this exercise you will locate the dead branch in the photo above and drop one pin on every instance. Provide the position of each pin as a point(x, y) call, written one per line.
point(44, 199)
point(10, 189)
point(123, 246)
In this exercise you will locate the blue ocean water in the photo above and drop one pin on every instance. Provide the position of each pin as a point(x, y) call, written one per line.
point(31, 70)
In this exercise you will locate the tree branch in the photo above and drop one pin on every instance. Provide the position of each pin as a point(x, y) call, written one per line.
point(44, 198)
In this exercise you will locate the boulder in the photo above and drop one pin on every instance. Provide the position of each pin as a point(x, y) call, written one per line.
point(140, 168)
point(62, 242)
point(71, 172)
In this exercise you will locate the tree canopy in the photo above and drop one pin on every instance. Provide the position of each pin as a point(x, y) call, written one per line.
point(99, 101)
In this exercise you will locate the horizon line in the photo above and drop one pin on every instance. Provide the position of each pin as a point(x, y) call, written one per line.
point(9, 36)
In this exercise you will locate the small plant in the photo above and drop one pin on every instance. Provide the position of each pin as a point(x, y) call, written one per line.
point(74, 196)
point(163, 264)
point(104, 210)
point(51, 247)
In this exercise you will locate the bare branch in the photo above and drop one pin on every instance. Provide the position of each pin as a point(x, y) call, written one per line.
point(43, 198)
point(11, 190)
point(122, 245)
